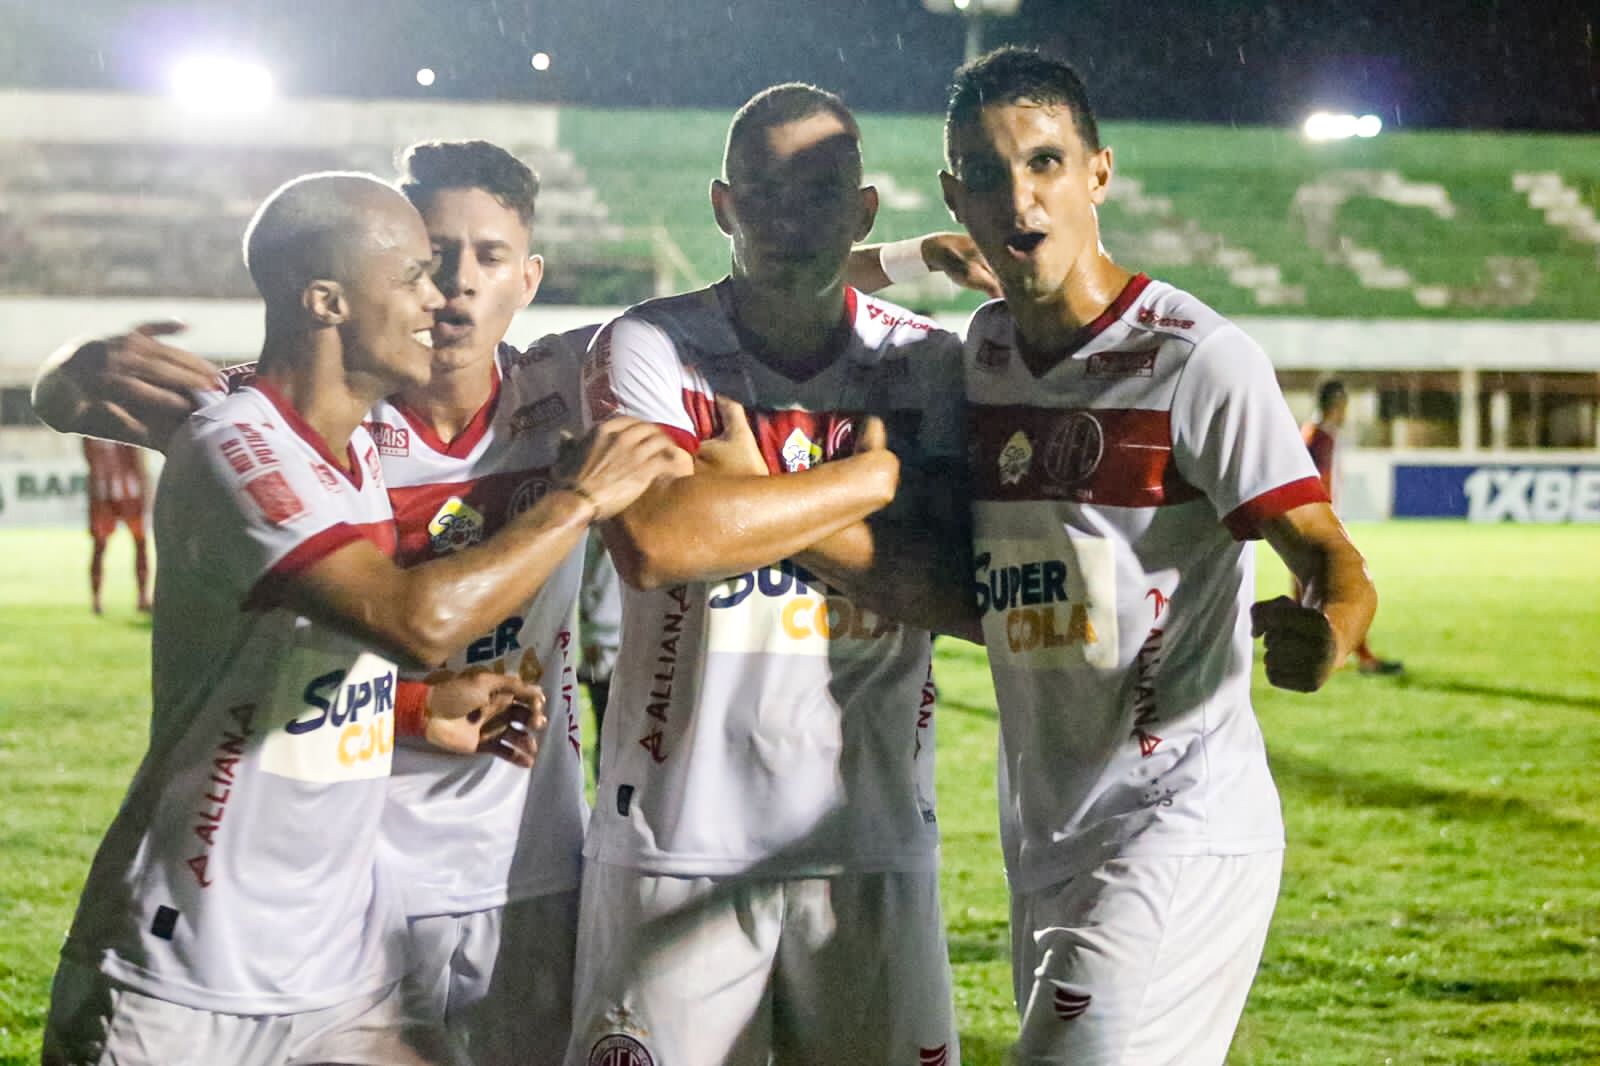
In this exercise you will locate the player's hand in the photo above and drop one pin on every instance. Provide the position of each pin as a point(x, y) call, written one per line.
point(131, 387)
point(615, 462)
point(488, 713)
point(871, 448)
point(1302, 650)
point(733, 452)
point(956, 256)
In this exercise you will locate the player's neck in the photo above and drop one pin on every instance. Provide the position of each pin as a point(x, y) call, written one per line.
point(788, 330)
point(314, 383)
point(1052, 326)
point(454, 396)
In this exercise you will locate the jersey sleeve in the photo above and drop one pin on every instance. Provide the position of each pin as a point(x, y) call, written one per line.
point(260, 514)
point(633, 369)
point(1234, 437)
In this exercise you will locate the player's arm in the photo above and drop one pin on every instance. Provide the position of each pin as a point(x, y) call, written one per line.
point(876, 266)
point(132, 388)
point(426, 612)
point(1306, 641)
point(713, 523)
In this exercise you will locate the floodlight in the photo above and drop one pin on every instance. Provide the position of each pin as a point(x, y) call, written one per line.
point(1369, 126)
point(1324, 126)
point(541, 61)
point(221, 84)
point(425, 77)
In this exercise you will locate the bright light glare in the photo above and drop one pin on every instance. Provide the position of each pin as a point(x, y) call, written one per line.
point(962, 5)
point(221, 85)
point(425, 76)
point(541, 61)
point(1323, 126)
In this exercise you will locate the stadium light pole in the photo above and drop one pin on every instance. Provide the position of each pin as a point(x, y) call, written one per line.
point(973, 12)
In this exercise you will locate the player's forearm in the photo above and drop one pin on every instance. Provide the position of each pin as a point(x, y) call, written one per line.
point(446, 603)
point(907, 575)
point(706, 527)
point(1335, 581)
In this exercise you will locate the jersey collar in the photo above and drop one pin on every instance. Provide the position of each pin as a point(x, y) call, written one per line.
point(303, 429)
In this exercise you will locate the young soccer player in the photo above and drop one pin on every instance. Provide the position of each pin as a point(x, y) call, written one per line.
point(1128, 443)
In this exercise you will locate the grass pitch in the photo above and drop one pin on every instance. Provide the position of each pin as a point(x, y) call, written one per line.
point(1441, 897)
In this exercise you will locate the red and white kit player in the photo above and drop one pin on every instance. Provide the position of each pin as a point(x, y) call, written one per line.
point(1128, 441)
point(118, 492)
point(762, 880)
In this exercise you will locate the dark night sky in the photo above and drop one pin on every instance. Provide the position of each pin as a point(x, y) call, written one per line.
point(1468, 63)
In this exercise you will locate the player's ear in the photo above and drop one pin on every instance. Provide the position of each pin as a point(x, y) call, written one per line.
point(325, 302)
point(532, 275)
point(1099, 175)
point(951, 186)
point(869, 212)
point(721, 207)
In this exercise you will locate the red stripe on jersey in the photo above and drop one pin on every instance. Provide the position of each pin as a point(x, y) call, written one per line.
point(460, 446)
point(1114, 457)
point(494, 500)
point(1125, 299)
point(268, 589)
point(701, 410)
point(1246, 520)
point(350, 468)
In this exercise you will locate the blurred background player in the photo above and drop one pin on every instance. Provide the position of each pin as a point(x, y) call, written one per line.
point(762, 875)
point(118, 492)
point(1321, 436)
point(1127, 441)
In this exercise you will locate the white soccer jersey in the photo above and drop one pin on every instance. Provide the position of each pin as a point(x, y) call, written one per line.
point(764, 721)
point(1109, 495)
point(240, 875)
point(470, 833)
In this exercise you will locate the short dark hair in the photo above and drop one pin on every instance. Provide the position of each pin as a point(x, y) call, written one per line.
point(311, 227)
point(1011, 74)
point(1329, 393)
point(781, 104)
point(429, 167)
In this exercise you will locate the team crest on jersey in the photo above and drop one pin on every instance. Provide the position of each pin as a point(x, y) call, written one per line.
point(540, 413)
point(456, 525)
point(799, 452)
point(1016, 458)
point(619, 1049)
point(526, 495)
point(841, 438)
point(391, 440)
point(1075, 448)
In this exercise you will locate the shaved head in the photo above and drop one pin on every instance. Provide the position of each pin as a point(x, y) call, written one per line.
point(321, 227)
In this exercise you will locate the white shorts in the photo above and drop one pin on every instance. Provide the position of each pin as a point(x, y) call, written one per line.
point(1141, 961)
point(500, 980)
point(692, 971)
point(93, 1022)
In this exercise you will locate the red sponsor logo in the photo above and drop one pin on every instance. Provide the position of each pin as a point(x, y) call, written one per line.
point(1150, 320)
point(934, 1056)
point(1070, 1003)
point(1122, 364)
point(233, 450)
point(257, 443)
point(277, 500)
point(374, 465)
point(619, 1049)
point(326, 476)
point(889, 319)
point(391, 440)
point(219, 788)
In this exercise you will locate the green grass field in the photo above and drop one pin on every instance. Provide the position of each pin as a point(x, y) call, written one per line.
point(1441, 900)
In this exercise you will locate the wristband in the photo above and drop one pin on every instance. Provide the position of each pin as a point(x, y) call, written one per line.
point(411, 708)
point(902, 261)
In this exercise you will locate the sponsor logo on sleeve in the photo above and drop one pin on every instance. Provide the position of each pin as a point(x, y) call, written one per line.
point(454, 526)
point(253, 440)
point(390, 439)
point(238, 456)
point(342, 728)
point(1049, 603)
point(599, 394)
point(532, 417)
point(275, 497)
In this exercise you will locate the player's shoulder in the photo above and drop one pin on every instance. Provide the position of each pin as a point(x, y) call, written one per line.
point(880, 323)
point(692, 321)
point(1162, 311)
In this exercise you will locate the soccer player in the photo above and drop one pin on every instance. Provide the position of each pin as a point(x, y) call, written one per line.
point(257, 808)
point(1128, 442)
point(490, 853)
point(117, 493)
point(762, 880)
point(1321, 435)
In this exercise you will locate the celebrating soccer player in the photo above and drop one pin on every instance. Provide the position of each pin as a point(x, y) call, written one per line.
point(763, 853)
point(1129, 441)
